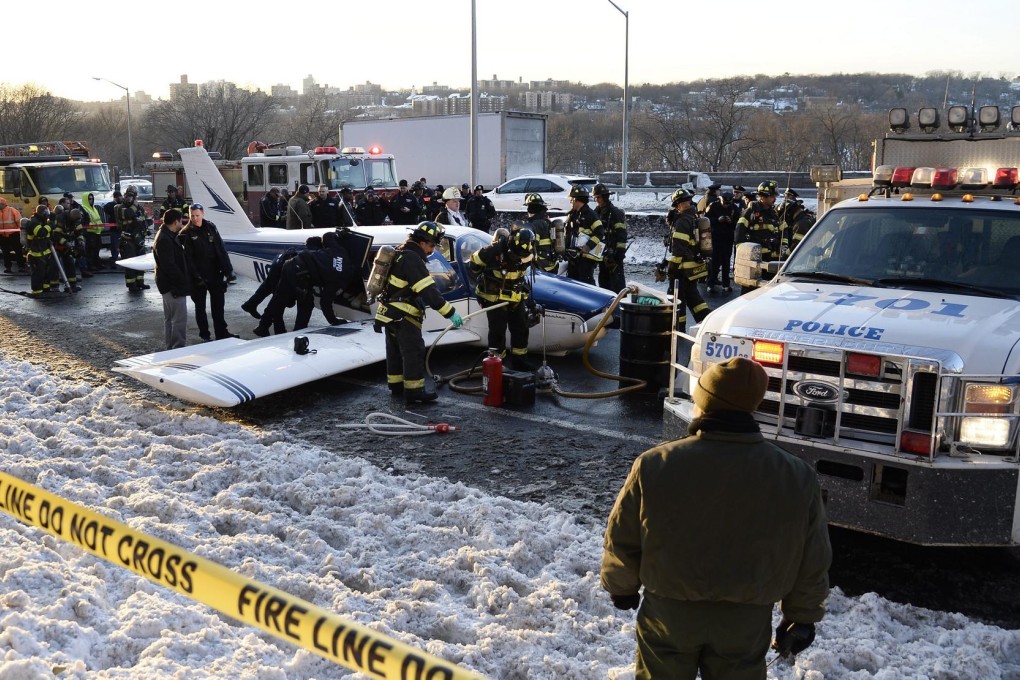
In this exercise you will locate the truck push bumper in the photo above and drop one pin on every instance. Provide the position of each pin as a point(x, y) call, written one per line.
point(958, 504)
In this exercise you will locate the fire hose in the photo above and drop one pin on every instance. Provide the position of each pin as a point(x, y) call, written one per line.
point(389, 424)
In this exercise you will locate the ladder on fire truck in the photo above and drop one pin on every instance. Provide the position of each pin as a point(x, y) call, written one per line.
point(58, 148)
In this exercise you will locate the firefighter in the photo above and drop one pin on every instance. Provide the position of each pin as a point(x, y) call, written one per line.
point(501, 269)
point(328, 268)
point(401, 311)
point(93, 219)
point(797, 221)
point(611, 276)
point(172, 200)
point(210, 268)
point(585, 234)
point(64, 241)
point(685, 267)
point(722, 215)
point(40, 253)
point(110, 215)
point(760, 224)
point(541, 226)
point(130, 222)
point(451, 214)
point(10, 237)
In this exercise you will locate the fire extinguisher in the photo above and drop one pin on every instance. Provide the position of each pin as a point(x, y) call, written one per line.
point(492, 379)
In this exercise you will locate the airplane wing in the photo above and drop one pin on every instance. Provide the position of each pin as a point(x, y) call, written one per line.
point(141, 263)
point(230, 372)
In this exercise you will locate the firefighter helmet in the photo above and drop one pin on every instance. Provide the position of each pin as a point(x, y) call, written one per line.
point(579, 193)
point(428, 231)
point(600, 189)
point(131, 191)
point(521, 242)
point(680, 196)
point(534, 201)
point(768, 188)
point(451, 194)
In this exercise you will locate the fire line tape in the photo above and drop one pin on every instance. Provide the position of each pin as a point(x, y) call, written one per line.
point(284, 616)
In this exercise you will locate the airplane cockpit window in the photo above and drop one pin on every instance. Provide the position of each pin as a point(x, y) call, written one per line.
point(441, 270)
point(468, 245)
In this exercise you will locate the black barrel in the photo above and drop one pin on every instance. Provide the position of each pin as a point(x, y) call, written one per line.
point(645, 337)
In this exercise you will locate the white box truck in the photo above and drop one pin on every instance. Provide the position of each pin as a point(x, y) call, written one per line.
point(510, 144)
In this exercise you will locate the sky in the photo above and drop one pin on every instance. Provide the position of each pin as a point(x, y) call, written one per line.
point(504, 588)
point(403, 42)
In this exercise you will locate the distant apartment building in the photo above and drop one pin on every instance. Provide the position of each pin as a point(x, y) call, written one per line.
point(431, 105)
point(183, 88)
point(283, 91)
point(369, 88)
point(548, 101)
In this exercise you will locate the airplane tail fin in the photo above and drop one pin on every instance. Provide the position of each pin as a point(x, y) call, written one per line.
point(208, 188)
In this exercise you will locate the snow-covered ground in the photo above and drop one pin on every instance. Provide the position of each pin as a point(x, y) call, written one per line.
point(506, 588)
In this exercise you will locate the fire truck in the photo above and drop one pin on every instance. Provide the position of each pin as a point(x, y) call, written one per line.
point(287, 167)
point(891, 335)
point(32, 170)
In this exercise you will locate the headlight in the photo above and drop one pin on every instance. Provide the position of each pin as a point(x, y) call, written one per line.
point(984, 432)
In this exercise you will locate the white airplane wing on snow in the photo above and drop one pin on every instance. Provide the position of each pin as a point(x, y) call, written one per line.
point(230, 372)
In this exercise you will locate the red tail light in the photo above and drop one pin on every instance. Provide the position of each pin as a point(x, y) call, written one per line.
point(915, 442)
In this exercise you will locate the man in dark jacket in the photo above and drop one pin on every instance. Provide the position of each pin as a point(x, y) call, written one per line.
point(479, 210)
point(401, 312)
point(324, 207)
point(685, 265)
point(271, 212)
point(717, 527)
point(173, 280)
point(328, 269)
point(210, 268)
point(585, 236)
point(371, 212)
point(722, 215)
point(404, 207)
point(501, 270)
point(131, 225)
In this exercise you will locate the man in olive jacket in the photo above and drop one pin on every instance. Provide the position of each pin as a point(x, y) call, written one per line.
point(717, 527)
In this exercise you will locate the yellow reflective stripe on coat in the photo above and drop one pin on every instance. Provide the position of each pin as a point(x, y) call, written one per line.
point(423, 284)
point(269, 609)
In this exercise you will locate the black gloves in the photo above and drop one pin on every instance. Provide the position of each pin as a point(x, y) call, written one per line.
point(626, 602)
point(793, 638)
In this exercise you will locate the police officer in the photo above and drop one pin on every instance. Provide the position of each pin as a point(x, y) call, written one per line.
point(404, 207)
point(501, 269)
point(585, 235)
point(611, 276)
point(711, 196)
point(722, 215)
point(130, 222)
point(324, 208)
point(210, 267)
point(40, 253)
point(328, 268)
point(760, 224)
point(345, 208)
point(479, 209)
point(371, 211)
point(541, 226)
point(401, 311)
point(685, 267)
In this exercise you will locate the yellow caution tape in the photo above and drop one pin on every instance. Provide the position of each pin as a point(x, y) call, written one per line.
point(287, 617)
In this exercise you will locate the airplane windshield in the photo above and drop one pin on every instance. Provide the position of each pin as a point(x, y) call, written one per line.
point(441, 270)
point(468, 245)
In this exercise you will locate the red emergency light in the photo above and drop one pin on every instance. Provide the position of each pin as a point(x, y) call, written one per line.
point(945, 178)
point(1006, 178)
point(325, 149)
point(901, 177)
point(375, 150)
point(199, 142)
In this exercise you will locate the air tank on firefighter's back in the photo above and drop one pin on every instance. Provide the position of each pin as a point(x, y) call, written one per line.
point(380, 271)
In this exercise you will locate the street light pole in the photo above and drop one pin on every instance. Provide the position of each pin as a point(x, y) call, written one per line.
point(131, 148)
point(626, 88)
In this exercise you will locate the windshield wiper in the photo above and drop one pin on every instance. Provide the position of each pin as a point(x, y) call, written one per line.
point(829, 276)
point(906, 281)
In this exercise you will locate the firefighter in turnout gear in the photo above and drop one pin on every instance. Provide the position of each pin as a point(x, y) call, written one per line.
point(541, 226)
point(40, 253)
point(611, 276)
point(685, 266)
point(65, 230)
point(130, 222)
point(585, 236)
point(760, 224)
point(797, 220)
point(501, 269)
point(409, 288)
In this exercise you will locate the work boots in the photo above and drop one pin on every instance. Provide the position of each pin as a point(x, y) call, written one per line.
point(419, 396)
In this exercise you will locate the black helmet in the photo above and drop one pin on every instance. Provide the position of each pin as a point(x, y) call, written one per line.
point(40, 210)
point(681, 195)
point(580, 193)
point(600, 189)
point(768, 188)
point(521, 242)
point(429, 231)
point(532, 201)
point(171, 187)
point(131, 191)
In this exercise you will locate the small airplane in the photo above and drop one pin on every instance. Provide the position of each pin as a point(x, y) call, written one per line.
point(229, 372)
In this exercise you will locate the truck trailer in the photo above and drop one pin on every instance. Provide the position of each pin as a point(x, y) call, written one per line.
point(510, 144)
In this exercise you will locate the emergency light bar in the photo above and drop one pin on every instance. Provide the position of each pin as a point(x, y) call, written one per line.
point(967, 179)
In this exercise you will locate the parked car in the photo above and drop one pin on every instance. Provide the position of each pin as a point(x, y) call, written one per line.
point(509, 195)
point(142, 186)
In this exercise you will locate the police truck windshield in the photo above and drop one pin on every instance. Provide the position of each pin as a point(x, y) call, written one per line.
point(56, 179)
point(965, 248)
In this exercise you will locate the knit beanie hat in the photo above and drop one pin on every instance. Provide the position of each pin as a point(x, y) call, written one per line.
point(735, 385)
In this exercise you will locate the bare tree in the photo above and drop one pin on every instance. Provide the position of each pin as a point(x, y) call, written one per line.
point(224, 117)
point(30, 113)
point(106, 131)
point(315, 121)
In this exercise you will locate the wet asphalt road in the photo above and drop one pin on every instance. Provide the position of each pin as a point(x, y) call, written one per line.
point(570, 453)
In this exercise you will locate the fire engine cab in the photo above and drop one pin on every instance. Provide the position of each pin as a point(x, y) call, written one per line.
point(891, 336)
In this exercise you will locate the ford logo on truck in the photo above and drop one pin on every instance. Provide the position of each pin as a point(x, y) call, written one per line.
point(817, 391)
